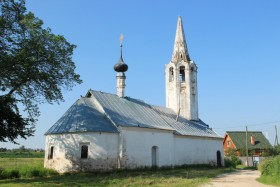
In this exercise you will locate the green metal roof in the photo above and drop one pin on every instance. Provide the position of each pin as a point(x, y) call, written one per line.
point(239, 139)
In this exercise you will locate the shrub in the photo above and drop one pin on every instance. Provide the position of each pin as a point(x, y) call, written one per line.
point(1, 172)
point(232, 161)
point(48, 172)
point(194, 166)
point(236, 160)
point(9, 174)
point(229, 152)
point(276, 150)
point(270, 166)
point(26, 172)
point(276, 166)
point(29, 172)
point(229, 163)
point(36, 172)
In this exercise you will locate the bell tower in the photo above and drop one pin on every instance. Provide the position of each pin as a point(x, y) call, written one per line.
point(181, 79)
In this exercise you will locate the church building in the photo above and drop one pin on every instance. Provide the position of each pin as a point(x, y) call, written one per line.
point(104, 131)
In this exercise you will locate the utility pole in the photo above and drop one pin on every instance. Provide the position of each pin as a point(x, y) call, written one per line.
point(247, 146)
point(276, 137)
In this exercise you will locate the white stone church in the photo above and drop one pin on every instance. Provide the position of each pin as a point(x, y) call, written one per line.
point(103, 131)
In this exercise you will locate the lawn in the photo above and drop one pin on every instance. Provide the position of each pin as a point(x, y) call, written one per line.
point(184, 176)
point(170, 177)
point(243, 167)
point(22, 155)
point(8, 163)
point(275, 181)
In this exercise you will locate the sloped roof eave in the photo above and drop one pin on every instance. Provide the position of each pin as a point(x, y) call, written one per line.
point(82, 116)
point(211, 137)
point(81, 132)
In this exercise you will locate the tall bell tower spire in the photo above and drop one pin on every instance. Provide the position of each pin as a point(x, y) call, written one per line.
point(181, 79)
point(180, 51)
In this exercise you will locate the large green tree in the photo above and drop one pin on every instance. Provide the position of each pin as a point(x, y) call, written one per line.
point(35, 65)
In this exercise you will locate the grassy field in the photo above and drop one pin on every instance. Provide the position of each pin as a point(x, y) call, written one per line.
point(185, 176)
point(275, 181)
point(8, 163)
point(22, 154)
point(246, 167)
point(172, 177)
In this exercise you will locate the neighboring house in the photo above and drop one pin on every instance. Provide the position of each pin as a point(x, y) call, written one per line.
point(236, 140)
point(104, 131)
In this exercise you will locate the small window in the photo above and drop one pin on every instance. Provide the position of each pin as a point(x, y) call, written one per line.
point(182, 74)
point(51, 152)
point(228, 143)
point(84, 151)
point(171, 74)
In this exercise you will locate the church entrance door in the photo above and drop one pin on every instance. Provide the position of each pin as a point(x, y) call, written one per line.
point(219, 163)
point(154, 156)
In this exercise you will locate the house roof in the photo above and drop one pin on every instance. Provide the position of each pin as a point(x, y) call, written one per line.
point(100, 108)
point(239, 139)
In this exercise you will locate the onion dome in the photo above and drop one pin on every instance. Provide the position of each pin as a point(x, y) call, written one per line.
point(121, 66)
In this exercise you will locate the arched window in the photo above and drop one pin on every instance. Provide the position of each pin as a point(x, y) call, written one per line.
point(182, 74)
point(171, 74)
point(84, 151)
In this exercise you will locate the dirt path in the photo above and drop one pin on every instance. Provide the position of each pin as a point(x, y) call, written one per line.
point(240, 178)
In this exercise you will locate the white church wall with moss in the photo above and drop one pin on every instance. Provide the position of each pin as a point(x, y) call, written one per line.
point(102, 151)
point(197, 150)
point(133, 148)
point(139, 143)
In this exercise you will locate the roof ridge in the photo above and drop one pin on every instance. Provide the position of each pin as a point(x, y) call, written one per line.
point(128, 98)
point(243, 131)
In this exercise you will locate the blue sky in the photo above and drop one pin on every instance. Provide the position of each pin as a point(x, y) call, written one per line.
point(235, 43)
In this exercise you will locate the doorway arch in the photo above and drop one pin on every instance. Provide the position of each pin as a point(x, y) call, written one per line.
point(154, 156)
point(219, 159)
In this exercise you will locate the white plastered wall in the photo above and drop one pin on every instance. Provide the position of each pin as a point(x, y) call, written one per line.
point(102, 151)
point(138, 144)
point(197, 150)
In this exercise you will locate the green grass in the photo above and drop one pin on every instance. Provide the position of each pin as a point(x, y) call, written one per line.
point(8, 163)
point(23, 168)
point(243, 167)
point(275, 181)
point(168, 177)
point(30, 172)
point(22, 154)
point(270, 170)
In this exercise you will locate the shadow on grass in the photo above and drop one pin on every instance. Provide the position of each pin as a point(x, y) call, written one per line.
point(243, 167)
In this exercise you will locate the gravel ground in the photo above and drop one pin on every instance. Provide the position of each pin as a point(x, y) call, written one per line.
point(240, 178)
